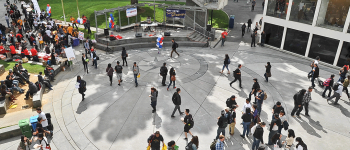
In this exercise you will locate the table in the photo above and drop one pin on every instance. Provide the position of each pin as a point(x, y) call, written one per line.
point(76, 42)
point(149, 25)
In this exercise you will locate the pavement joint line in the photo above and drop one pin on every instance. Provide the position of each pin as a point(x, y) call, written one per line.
point(127, 117)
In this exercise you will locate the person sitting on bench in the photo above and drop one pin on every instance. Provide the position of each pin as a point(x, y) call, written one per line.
point(17, 72)
point(44, 81)
point(49, 72)
point(21, 69)
point(32, 90)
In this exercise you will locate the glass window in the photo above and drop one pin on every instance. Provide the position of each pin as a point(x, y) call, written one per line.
point(333, 14)
point(273, 34)
point(303, 11)
point(324, 47)
point(344, 57)
point(277, 8)
point(296, 41)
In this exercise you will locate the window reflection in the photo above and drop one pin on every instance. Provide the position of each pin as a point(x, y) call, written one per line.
point(273, 34)
point(344, 57)
point(333, 14)
point(303, 11)
point(296, 41)
point(277, 8)
point(324, 47)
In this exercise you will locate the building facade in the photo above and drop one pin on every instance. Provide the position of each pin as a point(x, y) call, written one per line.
point(310, 28)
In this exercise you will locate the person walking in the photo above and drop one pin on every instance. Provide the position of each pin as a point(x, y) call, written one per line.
point(193, 143)
point(154, 141)
point(301, 145)
point(290, 139)
point(254, 89)
point(220, 143)
point(7, 20)
point(276, 140)
point(82, 87)
point(345, 86)
point(237, 75)
point(233, 120)
point(154, 96)
point(227, 61)
point(253, 35)
point(309, 75)
point(253, 5)
point(306, 100)
point(267, 72)
point(273, 128)
point(172, 78)
point(87, 47)
point(338, 91)
point(124, 55)
point(328, 83)
point(119, 71)
point(163, 73)
point(263, 37)
point(174, 46)
point(44, 121)
point(94, 58)
point(223, 37)
point(222, 124)
point(110, 71)
point(315, 74)
point(343, 71)
point(247, 119)
point(188, 121)
point(136, 72)
point(258, 135)
point(177, 102)
point(260, 21)
point(243, 29)
point(85, 61)
point(249, 24)
point(298, 102)
point(259, 99)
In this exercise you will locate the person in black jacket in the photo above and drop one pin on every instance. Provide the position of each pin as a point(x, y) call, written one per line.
point(276, 139)
point(258, 135)
point(230, 102)
point(44, 81)
point(247, 118)
point(17, 72)
point(276, 121)
point(315, 74)
point(124, 55)
point(298, 102)
point(254, 88)
point(329, 86)
point(237, 75)
point(32, 89)
point(82, 87)
point(268, 71)
point(174, 46)
point(188, 121)
point(163, 73)
point(49, 73)
point(85, 61)
point(177, 102)
point(226, 63)
point(222, 124)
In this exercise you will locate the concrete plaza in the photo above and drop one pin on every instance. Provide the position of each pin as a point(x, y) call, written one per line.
point(119, 117)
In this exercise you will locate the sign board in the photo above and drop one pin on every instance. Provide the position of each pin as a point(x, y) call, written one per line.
point(69, 53)
point(81, 35)
point(177, 13)
point(131, 12)
point(36, 7)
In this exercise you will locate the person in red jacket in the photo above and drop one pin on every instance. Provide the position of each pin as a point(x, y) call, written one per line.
point(34, 54)
point(19, 37)
point(2, 49)
point(13, 50)
point(26, 53)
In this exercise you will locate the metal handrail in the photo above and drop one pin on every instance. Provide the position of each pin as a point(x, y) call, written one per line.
point(199, 32)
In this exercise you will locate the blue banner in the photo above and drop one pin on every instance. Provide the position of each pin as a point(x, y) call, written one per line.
point(175, 13)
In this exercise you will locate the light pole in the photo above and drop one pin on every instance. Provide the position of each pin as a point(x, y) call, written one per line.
point(64, 16)
point(78, 9)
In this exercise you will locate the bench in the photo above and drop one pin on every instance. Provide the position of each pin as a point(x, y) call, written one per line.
point(3, 105)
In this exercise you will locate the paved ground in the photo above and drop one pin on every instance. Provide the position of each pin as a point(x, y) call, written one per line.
point(119, 117)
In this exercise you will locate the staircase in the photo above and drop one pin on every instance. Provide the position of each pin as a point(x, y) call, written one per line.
point(197, 37)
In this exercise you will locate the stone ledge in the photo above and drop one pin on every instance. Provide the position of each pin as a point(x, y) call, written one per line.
point(9, 132)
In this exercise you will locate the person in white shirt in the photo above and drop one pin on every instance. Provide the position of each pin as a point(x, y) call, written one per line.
point(301, 144)
point(283, 118)
point(246, 105)
point(44, 122)
point(337, 93)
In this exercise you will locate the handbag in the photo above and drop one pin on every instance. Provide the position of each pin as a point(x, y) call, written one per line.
point(97, 58)
point(127, 55)
point(148, 147)
point(173, 78)
point(268, 74)
point(109, 70)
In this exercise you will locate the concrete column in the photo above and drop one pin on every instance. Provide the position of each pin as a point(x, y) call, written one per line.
point(308, 45)
point(205, 22)
point(317, 11)
point(265, 7)
point(347, 21)
point(95, 23)
point(194, 20)
point(106, 20)
point(338, 52)
point(283, 37)
point(289, 9)
point(120, 23)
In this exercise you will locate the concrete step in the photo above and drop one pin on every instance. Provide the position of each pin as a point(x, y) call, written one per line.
point(203, 40)
point(138, 40)
point(193, 35)
point(198, 38)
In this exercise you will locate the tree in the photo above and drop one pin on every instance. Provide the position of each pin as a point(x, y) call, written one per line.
point(134, 1)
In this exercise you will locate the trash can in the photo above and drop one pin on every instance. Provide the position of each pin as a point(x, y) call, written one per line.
point(33, 121)
point(25, 128)
point(231, 23)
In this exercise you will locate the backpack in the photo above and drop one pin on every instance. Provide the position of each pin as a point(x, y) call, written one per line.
point(224, 124)
point(327, 81)
point(265, 95)
point(189, 146)
point(213, 145)
point(228, 102)
point(229, 61)
point(191, 122)
point(162, 71)
point(229, 118)
point(295, 96)
point(38, 85)
point(335, 87)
